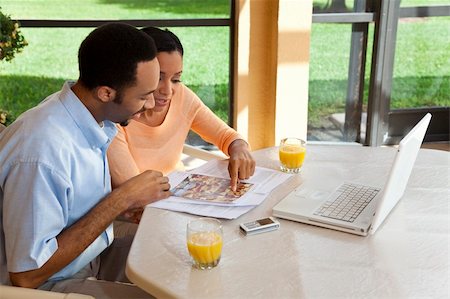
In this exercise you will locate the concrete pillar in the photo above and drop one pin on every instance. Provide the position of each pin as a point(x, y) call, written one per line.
point(294, 29)
point(272, 62)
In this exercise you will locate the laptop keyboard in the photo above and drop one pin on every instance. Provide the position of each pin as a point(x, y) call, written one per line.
point(347, 202)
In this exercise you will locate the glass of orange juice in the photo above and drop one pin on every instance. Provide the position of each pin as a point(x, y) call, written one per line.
point(292, 153)
point(204, 242)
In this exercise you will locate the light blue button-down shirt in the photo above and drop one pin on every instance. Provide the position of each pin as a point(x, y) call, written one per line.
point(53, 170)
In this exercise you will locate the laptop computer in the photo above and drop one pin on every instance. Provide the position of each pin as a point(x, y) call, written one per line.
point(346, 209)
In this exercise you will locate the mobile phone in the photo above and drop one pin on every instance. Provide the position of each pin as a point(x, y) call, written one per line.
point(259, 226)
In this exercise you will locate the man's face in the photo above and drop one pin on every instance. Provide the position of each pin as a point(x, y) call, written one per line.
point(131, 101)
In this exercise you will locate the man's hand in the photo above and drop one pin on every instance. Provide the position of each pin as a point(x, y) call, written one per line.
point(143, 189)
point(133, 216)
point(241, 165)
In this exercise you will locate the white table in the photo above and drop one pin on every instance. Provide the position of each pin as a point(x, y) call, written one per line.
point(407, 257)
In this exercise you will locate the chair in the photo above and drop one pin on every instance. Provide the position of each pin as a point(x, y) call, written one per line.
point(193, 157)
point(201, 153)
point(9, 292)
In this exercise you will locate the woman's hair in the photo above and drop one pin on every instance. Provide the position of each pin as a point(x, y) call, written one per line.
point(109, 55)
point(165, 40)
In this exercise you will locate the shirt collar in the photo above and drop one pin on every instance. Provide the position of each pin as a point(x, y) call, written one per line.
point(96, 136)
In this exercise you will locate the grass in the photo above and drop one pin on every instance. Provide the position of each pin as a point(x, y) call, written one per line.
point(421, 71)
point(421, 68)
point(115, 9)
point(51, 56)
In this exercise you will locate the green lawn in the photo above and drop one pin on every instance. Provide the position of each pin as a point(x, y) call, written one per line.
point(421, 73)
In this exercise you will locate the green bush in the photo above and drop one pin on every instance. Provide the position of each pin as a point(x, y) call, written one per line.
point(11, 39)
point(11, 42)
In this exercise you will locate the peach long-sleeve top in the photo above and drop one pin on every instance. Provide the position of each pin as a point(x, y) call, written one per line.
point(139, 146)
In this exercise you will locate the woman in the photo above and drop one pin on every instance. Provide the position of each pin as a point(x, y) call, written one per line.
point(155, 140)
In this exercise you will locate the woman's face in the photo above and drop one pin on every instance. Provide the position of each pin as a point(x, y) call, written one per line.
point(171, 67)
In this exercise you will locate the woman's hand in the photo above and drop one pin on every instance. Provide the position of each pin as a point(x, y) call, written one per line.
point(241, 165)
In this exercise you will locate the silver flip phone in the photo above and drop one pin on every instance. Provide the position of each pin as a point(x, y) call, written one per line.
point(259, 226)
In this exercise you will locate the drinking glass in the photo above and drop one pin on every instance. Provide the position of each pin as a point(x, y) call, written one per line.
point(204, 242)
point(292, 153)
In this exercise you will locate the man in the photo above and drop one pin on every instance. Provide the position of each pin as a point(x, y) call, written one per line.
point(56, 204)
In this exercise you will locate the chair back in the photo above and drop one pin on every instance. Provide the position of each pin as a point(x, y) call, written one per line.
point(9, 292)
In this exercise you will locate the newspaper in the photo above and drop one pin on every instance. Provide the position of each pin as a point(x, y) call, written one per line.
point(206, 191)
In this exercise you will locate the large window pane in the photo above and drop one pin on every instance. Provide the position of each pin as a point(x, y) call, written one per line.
point(329, 60)
point(422, 63)
point(51, 56)
point(206, 65)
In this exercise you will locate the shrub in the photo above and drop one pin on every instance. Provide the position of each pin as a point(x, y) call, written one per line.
point(11, 39)
point(5, 117)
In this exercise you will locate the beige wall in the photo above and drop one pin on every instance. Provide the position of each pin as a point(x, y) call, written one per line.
point(272, 62)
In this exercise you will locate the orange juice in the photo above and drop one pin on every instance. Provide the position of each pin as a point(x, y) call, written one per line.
point(292, 156)
point(292, 153)
point(205, 248)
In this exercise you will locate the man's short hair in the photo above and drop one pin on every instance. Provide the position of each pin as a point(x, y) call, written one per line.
point(109, 55)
